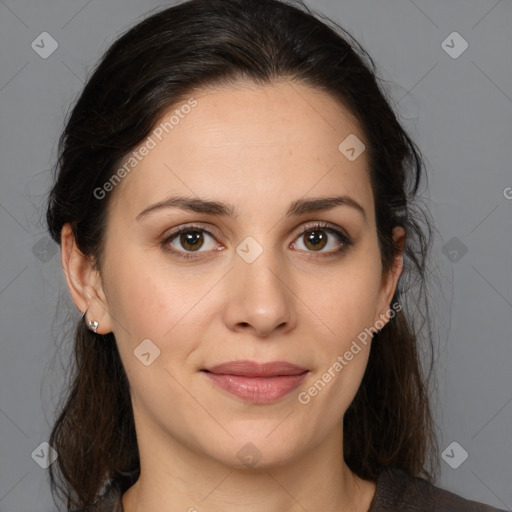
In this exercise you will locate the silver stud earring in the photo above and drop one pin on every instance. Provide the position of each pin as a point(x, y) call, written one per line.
point(93, 325)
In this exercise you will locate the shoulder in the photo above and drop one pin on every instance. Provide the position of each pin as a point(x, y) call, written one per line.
point(398, 491)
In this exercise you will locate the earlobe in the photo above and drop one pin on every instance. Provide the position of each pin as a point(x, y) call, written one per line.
point(84, 282)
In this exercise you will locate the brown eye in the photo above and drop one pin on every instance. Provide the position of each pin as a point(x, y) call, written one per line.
point(191, 240)
point(315, 239)
point(187, 240)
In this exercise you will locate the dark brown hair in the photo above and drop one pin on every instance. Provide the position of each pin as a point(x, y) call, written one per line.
point(147, 70)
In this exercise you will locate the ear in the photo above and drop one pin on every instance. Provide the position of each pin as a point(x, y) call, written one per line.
point(84, 282)
point(390, 278)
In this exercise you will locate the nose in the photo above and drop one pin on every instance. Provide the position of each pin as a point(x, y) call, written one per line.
point(260, 299)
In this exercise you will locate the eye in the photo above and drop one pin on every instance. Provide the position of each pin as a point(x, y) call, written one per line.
point(315, 237)
point(189, 239)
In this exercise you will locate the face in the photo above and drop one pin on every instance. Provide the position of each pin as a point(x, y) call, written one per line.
point(267, 273)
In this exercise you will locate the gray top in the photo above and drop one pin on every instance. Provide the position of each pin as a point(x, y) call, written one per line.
point(396, 491)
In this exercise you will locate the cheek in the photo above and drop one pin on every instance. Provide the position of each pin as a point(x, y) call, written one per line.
point(152, 300)
point(332, 388)
point(348, 309)
point(149, 302)
point(342, 356)
point(349, 301)
point(148, 297)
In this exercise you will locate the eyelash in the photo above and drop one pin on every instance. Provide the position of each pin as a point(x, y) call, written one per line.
point(324, 226)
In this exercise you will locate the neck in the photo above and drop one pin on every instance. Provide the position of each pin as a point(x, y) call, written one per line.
point(180, 479)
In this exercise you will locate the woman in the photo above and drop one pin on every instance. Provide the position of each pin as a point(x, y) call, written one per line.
point(234, 204)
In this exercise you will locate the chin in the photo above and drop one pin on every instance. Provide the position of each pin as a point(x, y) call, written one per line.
point(257, 453)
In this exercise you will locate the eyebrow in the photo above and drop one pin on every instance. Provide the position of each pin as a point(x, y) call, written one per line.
point(299, 207)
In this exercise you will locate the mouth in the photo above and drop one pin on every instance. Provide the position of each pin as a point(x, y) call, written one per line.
point(258, 383)
point(254, 369)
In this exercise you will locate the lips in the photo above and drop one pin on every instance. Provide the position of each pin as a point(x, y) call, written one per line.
point(254, 369)
point(258, 383)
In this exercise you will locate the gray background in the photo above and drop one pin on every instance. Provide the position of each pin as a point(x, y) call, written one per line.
point(459, 110)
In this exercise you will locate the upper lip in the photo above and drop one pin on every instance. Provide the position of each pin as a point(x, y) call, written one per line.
point(254, 369)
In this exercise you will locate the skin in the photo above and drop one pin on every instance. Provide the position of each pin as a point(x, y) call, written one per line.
point(259, 149)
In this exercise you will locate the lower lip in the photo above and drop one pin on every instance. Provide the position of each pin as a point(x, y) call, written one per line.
point(257, 390)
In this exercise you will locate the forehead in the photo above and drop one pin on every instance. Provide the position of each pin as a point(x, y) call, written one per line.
point(248, 143)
